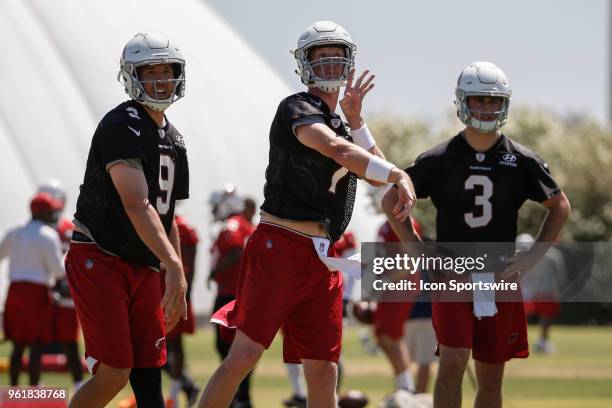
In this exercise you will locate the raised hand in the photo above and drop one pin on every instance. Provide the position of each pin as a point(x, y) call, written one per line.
point(352, 102)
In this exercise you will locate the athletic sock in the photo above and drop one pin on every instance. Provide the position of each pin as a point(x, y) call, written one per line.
point(404, 380)
point(175, 388)
point(297, 385)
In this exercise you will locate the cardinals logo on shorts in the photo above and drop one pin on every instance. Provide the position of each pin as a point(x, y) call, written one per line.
point(512, 338)
point(159, 343)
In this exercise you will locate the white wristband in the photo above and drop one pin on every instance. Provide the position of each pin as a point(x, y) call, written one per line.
point(363, 138)
point(379, 170)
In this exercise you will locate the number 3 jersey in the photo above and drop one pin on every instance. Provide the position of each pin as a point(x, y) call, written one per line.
point(128, 134)
point(301, 183)
point(478, 194)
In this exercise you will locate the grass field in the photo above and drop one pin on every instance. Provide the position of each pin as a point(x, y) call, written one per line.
point(578, 375)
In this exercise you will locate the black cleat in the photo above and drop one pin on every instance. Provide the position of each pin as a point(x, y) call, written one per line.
point(295, 401)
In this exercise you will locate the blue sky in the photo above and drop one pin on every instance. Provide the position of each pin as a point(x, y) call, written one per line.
point(555, 53)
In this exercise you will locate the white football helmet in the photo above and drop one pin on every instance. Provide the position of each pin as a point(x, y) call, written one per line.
point(482, 78)
point(149, 48)
point(324, 34)
point(55, 189)
point(225, 202)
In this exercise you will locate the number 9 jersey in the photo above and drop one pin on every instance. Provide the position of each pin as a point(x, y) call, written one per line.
point(128, 134)
point(301, 183)
point(478, 194)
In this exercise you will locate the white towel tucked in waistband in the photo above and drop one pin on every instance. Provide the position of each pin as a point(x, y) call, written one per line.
point(351, 266)
point(484, 300)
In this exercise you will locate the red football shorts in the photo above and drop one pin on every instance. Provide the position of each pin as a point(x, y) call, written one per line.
point(494, 339)
point(390, 318)
point(183, 326)
point(28, 313)
point(543, 305)
point(65, 324)
point(282, 282)
point(119, 308)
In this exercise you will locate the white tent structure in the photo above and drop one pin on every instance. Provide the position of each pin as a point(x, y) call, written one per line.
point(60, 62)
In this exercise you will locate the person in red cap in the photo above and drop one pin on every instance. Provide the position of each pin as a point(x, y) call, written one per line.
point(65, 330)
point(35, 263)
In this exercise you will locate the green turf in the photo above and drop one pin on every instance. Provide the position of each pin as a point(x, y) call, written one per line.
point(578, 375)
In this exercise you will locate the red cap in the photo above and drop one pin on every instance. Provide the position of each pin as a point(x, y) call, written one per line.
point(44, 202)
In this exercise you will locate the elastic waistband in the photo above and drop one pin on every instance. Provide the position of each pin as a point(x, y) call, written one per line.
point(309, 228)
point(288, 232)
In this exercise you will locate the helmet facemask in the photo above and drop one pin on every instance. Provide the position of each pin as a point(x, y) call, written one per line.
point(138, 92)
point(468, 117)
point(328, 74)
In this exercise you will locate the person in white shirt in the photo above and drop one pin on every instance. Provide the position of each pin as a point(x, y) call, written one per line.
point(35, 263)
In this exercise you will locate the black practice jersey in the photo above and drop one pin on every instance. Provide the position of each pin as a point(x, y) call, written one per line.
point(478, 195)
point(301, 183)
point(129, 133)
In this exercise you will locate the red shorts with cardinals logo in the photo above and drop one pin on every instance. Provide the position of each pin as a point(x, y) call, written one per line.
point(28, 313)
point(119, 307)
point(493, 340)
point(283, 282)
point(390, 318)
point(65, 324)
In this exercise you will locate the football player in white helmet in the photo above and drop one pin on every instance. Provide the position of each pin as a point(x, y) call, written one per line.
point(310, 188)
point(136, 171)
point(225, 202)
point(478, 180)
